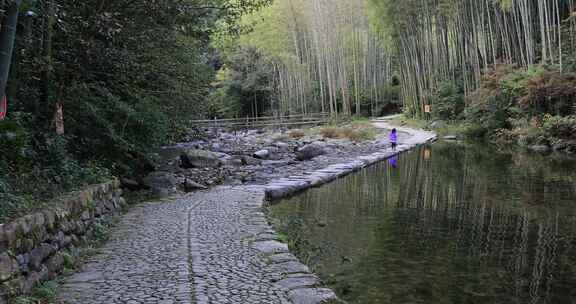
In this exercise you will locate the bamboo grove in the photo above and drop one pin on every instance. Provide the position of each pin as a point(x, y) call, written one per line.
point(457, 40)
point(343, 57)
point(325, 55)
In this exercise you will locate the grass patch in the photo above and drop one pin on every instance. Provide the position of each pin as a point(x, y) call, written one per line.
point(357, 131)
point(44, 293)
point(296, 134)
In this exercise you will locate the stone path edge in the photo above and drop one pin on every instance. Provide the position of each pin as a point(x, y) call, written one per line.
point(304, 286)
point(286, 187)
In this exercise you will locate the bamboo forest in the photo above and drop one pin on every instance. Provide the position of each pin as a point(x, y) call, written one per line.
point(287, 151)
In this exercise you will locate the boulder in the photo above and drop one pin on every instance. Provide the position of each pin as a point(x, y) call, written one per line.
point(38, 254)
point(130, 184)
point(55, 264)
point(190, 186)
point(250, 161)
point(261, 154)
point(560, 146)
point(310, 151)
point(160, 181)
point(199, 159)
point(282, 146)
point(234, 162)
point(8, 267)
point(34, 278)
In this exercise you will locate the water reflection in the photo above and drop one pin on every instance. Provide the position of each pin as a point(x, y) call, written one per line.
point(452, 224)
point(393, 162)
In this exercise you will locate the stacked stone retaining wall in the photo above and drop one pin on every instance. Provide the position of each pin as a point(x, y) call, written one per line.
point(35, 247)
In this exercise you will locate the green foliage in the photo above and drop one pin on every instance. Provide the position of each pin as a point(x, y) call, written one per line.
point(100, 232)
point(69, 260)
point(560, 127)
point(25, 300)
point(526, 107)
point(129, 75)
point(516, 80)
point(47, 291)
point(448, 102)
point(244, 87)
point(487, 114)
point(44, 293)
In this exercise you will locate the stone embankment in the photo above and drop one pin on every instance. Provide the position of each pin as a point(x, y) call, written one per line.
point(33, 248)
point(216, 246)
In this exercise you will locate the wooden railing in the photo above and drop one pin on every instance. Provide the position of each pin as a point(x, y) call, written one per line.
point(265, 121)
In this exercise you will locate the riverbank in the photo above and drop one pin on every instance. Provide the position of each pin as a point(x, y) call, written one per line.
point(213, 246)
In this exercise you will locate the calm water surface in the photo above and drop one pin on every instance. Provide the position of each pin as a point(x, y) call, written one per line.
point(449, 223)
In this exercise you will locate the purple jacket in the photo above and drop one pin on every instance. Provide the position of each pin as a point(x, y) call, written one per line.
point(393, 137)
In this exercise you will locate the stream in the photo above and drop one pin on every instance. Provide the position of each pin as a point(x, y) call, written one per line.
point(445, 223)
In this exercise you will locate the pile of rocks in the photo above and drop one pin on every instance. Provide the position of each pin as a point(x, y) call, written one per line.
point(249, 157)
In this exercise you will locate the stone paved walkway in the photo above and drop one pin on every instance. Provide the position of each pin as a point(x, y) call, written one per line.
point(212, 247)
point(208, 247)
point(227, 266)
point(146, 261)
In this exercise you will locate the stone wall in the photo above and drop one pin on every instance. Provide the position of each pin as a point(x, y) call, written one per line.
point(33, 248)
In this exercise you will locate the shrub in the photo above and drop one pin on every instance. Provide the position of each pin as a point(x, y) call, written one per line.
point(25, 300)
point(550, 92)
point(448, 102)
point(514, 83)
point(14, 141)
point(47, 291)
point(488, 114)
point(560, 127)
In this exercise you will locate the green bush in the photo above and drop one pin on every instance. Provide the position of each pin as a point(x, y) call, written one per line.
point(515, 82)
point(560, 127)
point(47, 291)
point(486, 116)
point(14, 140)
point(448, 102)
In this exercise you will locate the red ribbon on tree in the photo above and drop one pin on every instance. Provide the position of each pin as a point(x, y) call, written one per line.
point(3, 107)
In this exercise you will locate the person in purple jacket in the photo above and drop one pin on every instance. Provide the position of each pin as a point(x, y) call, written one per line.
point(394, 139)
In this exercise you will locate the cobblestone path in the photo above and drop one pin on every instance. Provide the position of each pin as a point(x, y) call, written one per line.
point(227, 267)
point(211, 247)
point(146, 261)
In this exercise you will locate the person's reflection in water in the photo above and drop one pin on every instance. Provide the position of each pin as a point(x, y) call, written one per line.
point(393, 161)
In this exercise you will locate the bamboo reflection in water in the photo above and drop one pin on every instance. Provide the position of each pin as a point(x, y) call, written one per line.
point(460, 221)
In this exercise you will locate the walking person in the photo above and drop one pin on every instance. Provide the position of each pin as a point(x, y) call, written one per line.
point(394, 139)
